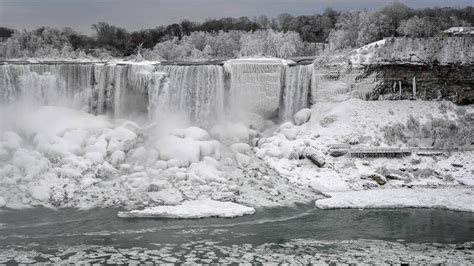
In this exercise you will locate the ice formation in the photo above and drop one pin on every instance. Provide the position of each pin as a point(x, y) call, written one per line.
point(255, 85)
point(65, 140)
point(192, 210)
point(196, 91)
point(296, 90)
point(121, 90)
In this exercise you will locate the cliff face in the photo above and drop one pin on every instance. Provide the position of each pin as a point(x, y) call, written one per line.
point(449, 82)
point(394, 82)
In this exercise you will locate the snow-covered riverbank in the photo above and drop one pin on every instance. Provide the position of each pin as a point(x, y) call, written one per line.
point(456, 199)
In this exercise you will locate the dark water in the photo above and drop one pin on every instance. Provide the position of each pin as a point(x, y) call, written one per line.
point(66, 227)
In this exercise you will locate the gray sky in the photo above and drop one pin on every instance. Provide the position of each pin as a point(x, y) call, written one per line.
point(140, 14)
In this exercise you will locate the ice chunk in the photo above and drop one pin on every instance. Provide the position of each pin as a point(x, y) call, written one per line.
point(302, 116)
point(192, 210)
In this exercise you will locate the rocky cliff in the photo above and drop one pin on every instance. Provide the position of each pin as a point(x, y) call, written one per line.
point(451, 82)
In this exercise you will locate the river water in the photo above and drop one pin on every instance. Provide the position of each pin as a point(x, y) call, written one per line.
point(291, 234)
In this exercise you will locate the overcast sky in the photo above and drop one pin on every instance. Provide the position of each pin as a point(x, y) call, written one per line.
point(139, 14)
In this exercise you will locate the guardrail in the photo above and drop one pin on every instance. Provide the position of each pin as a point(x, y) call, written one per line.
point(388, 152)
point(379, 152)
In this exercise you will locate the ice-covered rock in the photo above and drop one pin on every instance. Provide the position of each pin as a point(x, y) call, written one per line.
point(4, 154)
point(120, 138)
point(196, 133)
point(302, 116)
point(192, 210)
point(12, 140)
point(206, 171)
point(3, 202)
point(243, 148)
point(314, 156)
point(338, 152)
point(210, 148)
point(117, 157)
point(185, 151)
point(168, 196)
point(138, 155)
point(161, 165)
point(285, 126)
point(95, 157)
point(242, 159)
point(211, 161)
point(378, 178)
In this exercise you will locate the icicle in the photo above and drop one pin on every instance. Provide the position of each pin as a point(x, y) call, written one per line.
point(399, 90)
point(414, 87)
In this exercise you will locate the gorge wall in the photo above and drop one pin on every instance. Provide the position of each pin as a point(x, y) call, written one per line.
point(452, 82)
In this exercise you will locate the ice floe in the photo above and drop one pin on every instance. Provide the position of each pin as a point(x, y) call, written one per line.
point(192, 210)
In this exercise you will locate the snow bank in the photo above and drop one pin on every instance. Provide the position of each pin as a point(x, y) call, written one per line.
point(192, 210)
point(457, 199)
point(366, 53)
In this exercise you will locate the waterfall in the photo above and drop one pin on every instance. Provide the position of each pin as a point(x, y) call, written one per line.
point(46, 84)
point(255, 85)
point(195, 91)
point(96, 88)
point(266, 87)
point(295, 94)
point(159, 85)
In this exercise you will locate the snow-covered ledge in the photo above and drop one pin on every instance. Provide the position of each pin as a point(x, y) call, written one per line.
point(192, 210)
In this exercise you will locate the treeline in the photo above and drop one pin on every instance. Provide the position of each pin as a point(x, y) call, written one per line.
point(282, 36)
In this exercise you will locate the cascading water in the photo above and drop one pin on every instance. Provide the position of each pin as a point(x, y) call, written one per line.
point(120, 90)
point(295, 94)
point(158, 85)
point(255, 85)
point(195, 91)
point(45, 84)
point(198, 92)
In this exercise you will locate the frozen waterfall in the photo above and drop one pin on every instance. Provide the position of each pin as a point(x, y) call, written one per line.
point(201, 93)
point(255, 85)
point(295, 94)
point(47, 84)
point(121, 90)
point(195, 91)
